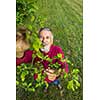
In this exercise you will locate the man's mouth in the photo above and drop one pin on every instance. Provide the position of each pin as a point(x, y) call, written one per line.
point(44, 44)
point(45, 48)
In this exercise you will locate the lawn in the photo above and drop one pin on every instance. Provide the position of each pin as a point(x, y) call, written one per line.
point(65, 19)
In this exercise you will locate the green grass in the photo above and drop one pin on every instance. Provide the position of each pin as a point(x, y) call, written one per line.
point(65, 19)
point(52, 94)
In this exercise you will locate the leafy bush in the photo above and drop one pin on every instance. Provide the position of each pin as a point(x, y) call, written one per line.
point(25, 73)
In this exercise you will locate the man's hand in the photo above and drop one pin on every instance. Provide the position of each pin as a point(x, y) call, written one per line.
point(50, 73)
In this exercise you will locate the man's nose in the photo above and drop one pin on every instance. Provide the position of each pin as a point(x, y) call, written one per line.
point(43, 40)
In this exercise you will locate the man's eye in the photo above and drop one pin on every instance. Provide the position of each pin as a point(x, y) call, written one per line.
point(47, 37)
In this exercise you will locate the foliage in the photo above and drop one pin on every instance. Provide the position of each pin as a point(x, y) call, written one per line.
point(73, 83)
point(25, 73)
point(25, 10)
point(26, 16)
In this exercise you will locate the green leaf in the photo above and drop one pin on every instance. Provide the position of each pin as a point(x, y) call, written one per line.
point(73, 88)
point(31, 89)
point(24, 84)
point(75, 77)
point(30, 84)
point(29, 27)
point(70, 85)
point(46, 83)
point(32, 18)
point(35, 70)
point(39, 77)
point(24, 73)
point(17, 82)
point(36, 44)
point(40, 55)
point(68, 61)
point(65, 75)
point(77, 83)
point(59, 55)
point(38, 85)
point(75, 71)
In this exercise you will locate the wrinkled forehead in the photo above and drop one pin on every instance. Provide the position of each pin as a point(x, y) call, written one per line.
point(45, 33)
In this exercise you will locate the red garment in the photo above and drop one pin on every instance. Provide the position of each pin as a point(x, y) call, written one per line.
point(54, 50)
point(26, 58)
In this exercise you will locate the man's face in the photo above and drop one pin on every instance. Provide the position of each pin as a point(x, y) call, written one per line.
point(45, 37)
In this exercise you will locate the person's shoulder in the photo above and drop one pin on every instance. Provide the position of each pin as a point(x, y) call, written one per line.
point(29, 51)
